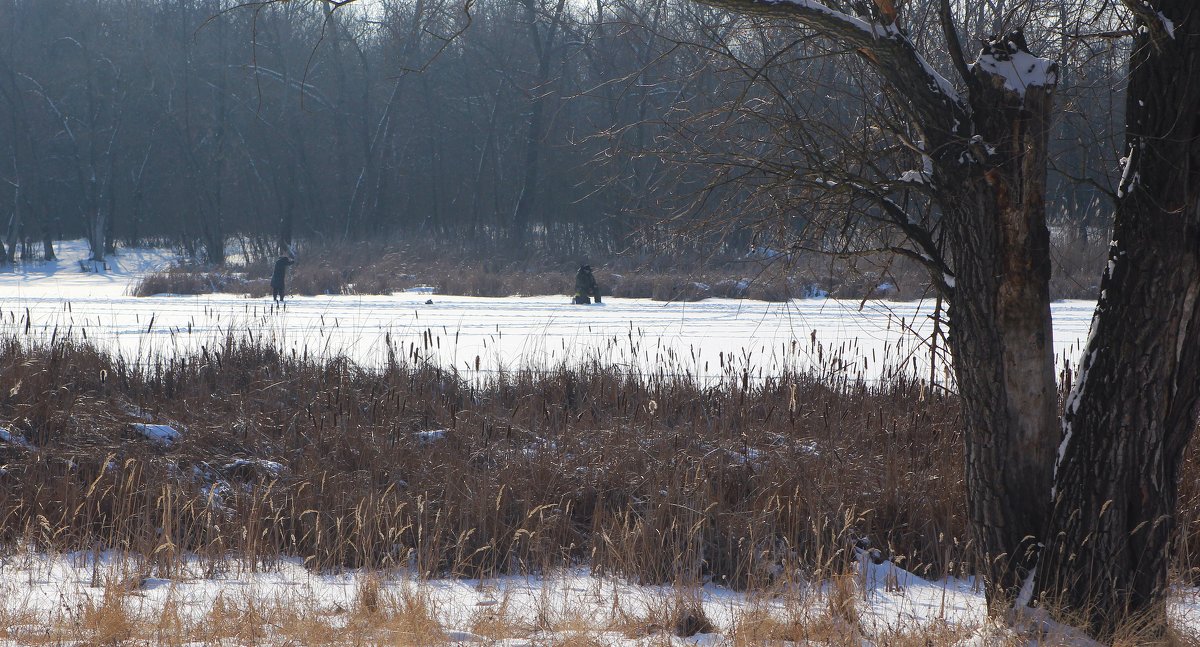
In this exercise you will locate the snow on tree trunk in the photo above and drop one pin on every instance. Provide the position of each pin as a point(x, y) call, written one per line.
point(1133, 410)
point(1000, 324)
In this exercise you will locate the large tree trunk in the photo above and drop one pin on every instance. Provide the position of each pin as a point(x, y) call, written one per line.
point(1133, 408)
point(1000, 322)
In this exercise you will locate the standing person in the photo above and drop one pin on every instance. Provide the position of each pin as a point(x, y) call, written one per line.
point(585, 286)
point(277, 289)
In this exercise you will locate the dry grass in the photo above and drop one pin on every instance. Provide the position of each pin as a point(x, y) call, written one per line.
point(108, 622)
point(730, 482)
point(761, 485)
point(801, 627)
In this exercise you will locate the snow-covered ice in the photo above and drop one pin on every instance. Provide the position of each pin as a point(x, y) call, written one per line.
point(476, 336)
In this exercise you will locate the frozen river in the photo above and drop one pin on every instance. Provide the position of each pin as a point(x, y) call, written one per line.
point(477, 335)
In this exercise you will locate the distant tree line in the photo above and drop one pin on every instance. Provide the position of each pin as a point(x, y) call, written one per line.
point(504, 124)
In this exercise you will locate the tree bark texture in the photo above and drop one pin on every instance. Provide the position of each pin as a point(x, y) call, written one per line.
point(1133, 408)
point(1000, 324)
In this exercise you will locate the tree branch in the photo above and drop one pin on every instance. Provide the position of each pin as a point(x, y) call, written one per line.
point(1153, 20)
point(954, 45)
point(936, 106)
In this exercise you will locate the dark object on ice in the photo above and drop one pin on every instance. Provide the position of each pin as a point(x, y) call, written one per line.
point(428, 302)
point(585, 286)
point(277, 289)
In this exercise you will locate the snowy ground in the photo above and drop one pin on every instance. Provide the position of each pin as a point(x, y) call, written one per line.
point(474, 335)
point(109, 596)
point(40, 592)
point(704, 339)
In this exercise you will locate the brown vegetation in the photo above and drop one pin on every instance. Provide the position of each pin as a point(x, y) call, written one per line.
point(384, 268)
point(754, 483)
point(656, 478)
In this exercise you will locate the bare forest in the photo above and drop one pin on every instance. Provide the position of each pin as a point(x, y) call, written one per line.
point(513, 128)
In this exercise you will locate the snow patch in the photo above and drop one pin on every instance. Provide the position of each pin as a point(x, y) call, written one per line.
point(255, 466)
point(1020, 70)
point(1168, 25)
point(464, 637)
point(13, 438)
point(478, 336)
point(1129, 179)
point(431, 436)
point(164, 435)
point(1026, 594)
point(940, 83)
point(751, 457)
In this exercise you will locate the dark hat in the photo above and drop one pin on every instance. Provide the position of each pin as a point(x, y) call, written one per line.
point(586, 268)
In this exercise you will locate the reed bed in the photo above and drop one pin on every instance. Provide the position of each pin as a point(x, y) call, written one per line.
point(772, 484)
point(650, 476)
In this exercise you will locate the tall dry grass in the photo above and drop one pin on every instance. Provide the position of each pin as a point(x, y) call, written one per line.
point(747, 483)
point(765, 484)
point(653, 477)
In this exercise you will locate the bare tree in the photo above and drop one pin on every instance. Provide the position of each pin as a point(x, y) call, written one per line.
point(981, 146)
point(1132, 410)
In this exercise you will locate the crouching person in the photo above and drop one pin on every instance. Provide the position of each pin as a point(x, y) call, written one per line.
point(277, 288)
point(585, 286)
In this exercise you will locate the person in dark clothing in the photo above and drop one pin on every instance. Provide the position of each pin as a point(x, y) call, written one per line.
point(585, 286)
point(277, 289)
